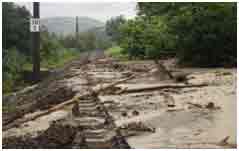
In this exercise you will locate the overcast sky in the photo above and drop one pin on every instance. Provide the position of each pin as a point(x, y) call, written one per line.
point(99, 11)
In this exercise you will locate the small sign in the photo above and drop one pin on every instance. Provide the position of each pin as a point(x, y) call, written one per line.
point(35, 25)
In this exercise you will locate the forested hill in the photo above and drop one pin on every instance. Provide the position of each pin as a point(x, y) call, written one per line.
point(66, 25)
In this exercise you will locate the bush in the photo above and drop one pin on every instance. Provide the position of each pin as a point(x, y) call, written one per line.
point(201, 34)
point(116, 52)
point(12, 67)
point(146, 37)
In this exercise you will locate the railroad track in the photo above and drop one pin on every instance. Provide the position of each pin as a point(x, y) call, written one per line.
point(94, 127)
point(97, 127)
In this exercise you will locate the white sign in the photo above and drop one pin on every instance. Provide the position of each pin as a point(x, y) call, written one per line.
point(35, 25)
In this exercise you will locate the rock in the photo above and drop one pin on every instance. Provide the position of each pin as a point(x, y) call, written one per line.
point(224, 141)
point(119, 142)
point(138, 126)
point(135, 113)
point(75, 109)
point(79, 141)
point(210, 105)
point(124, 114)
point(181, 77)
point(171, 105)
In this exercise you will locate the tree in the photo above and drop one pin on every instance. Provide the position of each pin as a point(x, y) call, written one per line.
point(16, 36)
point(202, 34)
point(143, 37)
point(16, 27)
point(112, 27)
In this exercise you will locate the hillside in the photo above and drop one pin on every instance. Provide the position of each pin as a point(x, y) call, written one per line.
point(66, 25)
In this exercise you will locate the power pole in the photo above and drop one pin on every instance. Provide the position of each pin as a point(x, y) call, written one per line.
point(77, 28)
point(36, 42)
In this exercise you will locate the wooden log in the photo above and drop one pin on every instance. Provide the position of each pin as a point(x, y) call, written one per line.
point(162, 86)
point(195, 104)
point(62, 105)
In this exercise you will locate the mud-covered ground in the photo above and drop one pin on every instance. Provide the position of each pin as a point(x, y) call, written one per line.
point(191, 123)
point(203, 117)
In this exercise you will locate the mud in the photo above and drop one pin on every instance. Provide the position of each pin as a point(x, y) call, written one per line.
point(168, 118)
point(185, 125)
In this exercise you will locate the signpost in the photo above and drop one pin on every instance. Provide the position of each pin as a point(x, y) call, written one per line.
point(35, 25)
point(35, 32)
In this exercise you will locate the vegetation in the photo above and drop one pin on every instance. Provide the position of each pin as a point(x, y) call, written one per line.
point(116, 52)
point(13, 18)
point(201, 34)
point(55, 49)
point(113, 28)
point(15, 39)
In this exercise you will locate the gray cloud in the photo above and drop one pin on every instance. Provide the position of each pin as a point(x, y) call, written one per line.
point(100, 11)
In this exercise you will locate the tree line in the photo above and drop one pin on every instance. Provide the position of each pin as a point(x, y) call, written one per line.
point(200, 34)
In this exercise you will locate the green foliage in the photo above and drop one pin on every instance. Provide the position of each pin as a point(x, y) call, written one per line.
point(116, 52)
point(202, 34)
point(68, 41)
point(16, 53)
point(206, 33)
point(50, 46)
point(12, 66)
point(15, 24)
point(146, 37)
point(15, 43)
point(52, 52)
point(64, 56)
point(113, 27)
point(86, 41)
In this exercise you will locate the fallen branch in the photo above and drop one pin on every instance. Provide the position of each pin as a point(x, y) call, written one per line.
point(62, 105)
point(195, 104)
point(159, 87)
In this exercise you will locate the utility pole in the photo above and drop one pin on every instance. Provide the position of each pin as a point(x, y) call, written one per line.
point(35, 29)
point(77, 28)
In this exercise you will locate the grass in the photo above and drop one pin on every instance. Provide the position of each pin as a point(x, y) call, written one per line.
point(52, 63)
point(116, 52)
point(47, 64)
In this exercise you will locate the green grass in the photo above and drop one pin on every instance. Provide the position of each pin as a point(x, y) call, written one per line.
point(116, 52)
point(47, 64)
point(61, 61)
point(52, 63)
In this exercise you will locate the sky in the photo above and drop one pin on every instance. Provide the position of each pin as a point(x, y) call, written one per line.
point(99, 11)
